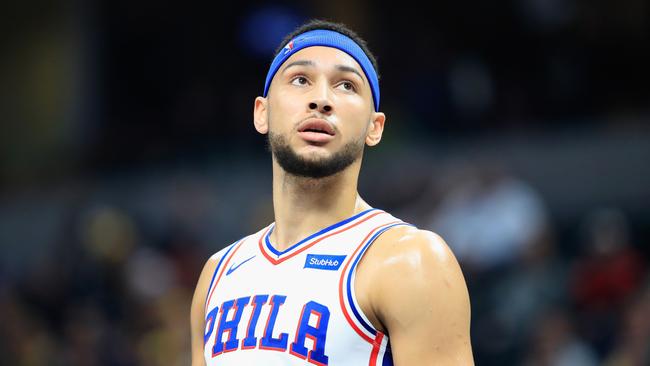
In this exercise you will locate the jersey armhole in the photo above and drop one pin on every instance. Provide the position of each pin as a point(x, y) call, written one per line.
point(221, 254)
point(351, 309)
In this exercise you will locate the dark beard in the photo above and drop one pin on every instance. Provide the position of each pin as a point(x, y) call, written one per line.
point(296, 165)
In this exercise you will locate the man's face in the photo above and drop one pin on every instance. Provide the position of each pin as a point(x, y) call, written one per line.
point(319, 112)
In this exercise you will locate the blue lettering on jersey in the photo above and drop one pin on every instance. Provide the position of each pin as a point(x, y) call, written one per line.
point(324, 261)
point(209, 321)
point(268, 342)
point(251, 341)
point(317, 333)
point(229, 325)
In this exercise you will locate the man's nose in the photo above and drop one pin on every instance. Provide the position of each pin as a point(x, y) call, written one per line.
point(321, 105)
point(321, 101)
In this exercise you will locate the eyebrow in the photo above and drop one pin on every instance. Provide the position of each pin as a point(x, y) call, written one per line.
point(343, 68)
point(299, 63)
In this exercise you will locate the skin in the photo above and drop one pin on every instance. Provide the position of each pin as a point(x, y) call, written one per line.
point(408, 283)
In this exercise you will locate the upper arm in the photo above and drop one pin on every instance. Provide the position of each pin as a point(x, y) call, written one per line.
point(423, 302)
point(198, 311)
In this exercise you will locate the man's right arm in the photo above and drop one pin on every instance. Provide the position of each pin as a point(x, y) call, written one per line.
point(198, 311)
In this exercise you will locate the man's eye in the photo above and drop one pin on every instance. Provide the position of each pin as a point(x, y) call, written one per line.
point(347, 86)
point(300, 80)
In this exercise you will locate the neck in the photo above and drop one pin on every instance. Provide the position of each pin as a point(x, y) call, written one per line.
point(303, 206)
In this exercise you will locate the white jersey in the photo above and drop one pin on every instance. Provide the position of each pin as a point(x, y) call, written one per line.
point(298, 306)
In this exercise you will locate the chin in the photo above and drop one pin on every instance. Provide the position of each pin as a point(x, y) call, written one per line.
point(313, 152)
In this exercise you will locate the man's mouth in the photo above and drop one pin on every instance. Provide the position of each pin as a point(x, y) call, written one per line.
point(315, 130)
point(316, 125)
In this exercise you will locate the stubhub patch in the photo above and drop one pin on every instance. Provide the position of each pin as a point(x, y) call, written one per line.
point(324, 261)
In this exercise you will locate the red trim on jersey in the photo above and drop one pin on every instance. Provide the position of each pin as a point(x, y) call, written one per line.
point(343, 275)
point(309, 359)
point(229, 330)
point(215, 354)
point(248, 328)
point(266, 327)
point(307, 246)
point(314, 341)
point(376, 346)
point(221, 273)
point(295, 338)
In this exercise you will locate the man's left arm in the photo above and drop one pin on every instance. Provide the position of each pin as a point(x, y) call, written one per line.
point(423, 302)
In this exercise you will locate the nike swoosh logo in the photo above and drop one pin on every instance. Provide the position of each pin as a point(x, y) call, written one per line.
point(233, 267)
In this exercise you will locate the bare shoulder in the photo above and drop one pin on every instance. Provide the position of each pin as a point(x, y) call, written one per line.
point(421, 263)
point(414, 249)
point(205, 278)
point(208, 270)
point(197, 314)
point(419, 295)
point(407, 264)
point(200, 292)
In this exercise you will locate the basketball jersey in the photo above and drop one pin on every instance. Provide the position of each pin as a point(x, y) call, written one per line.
point(297, 306)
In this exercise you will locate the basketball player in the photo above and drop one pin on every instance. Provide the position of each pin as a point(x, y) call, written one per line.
point(333, 281)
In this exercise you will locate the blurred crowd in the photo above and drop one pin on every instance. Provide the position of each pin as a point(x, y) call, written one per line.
point(128, 157)
point(115, 286)
point(541, 295)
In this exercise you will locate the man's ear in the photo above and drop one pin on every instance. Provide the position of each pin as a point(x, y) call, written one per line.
point(260, 114)
point(375, 129)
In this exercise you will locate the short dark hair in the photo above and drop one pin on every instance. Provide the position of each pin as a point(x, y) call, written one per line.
point(336, 27)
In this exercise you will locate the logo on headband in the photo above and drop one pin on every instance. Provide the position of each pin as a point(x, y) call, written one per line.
point(288, 47)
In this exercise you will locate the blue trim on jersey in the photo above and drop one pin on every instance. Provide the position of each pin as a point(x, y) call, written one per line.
point(214, 275)
point(355, 311)
point(388, 356)
point(267, 241)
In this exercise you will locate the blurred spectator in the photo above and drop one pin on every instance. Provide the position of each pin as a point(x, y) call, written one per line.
point(488, 217)
point(633, 346)
point(535, 283)
point(609, 271)
point(497, 226)
point(555, 343)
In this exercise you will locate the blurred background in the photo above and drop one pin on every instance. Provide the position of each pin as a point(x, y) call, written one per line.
point(518, 130)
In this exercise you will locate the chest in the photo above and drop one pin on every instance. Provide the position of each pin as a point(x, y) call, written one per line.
point(303, 303)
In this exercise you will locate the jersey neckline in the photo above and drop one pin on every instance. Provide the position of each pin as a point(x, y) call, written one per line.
point(276, 256)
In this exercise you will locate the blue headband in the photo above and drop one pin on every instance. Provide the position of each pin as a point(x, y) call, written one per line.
point(327, 38)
